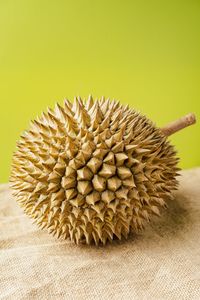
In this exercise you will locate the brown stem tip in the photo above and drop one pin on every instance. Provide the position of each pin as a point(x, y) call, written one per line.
point(179, 124)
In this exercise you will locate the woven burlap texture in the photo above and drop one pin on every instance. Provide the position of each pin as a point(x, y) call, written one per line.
point(163, 262)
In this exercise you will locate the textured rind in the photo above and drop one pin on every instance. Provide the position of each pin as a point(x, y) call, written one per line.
point(93, 170)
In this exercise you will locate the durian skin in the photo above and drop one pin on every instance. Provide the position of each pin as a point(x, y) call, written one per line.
point(93, 170)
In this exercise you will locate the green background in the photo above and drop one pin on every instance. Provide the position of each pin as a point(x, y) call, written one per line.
point(145, 53)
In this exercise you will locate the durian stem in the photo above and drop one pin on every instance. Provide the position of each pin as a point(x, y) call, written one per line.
point(179, 124)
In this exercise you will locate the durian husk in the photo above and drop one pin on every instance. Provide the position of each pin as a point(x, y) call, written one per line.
point(93, 171)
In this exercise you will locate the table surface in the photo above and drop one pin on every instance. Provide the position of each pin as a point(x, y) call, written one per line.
point(162, 262)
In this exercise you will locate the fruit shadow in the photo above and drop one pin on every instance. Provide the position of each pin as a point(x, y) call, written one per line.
point(172, 223)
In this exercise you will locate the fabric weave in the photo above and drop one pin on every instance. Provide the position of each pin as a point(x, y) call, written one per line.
point(162, 262)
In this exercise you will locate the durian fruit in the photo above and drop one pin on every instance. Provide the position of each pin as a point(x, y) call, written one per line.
point(94, 170)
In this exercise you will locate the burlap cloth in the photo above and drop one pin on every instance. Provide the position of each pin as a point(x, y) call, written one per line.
point(163, 262)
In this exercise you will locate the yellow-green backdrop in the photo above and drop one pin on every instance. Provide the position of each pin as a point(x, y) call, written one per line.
point(145, 53)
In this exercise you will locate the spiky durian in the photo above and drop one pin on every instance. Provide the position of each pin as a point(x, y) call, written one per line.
point(93, 170)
